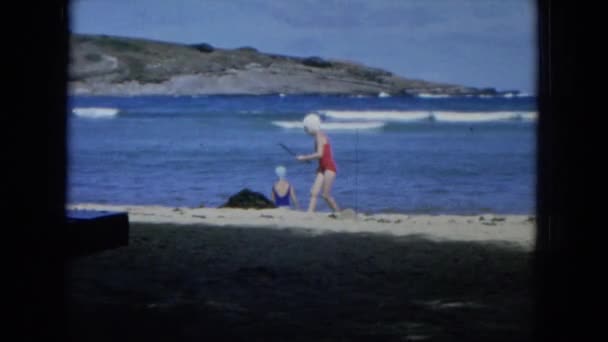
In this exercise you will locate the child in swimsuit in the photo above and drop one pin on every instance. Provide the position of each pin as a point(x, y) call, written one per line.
point(282, 191)
point(326, 172)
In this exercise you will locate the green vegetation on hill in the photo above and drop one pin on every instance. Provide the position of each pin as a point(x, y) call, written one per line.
point(104, 62)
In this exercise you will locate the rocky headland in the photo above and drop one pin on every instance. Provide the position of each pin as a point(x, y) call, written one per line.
point(106, 65)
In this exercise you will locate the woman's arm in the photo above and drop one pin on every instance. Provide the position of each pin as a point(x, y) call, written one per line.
point(319, 142)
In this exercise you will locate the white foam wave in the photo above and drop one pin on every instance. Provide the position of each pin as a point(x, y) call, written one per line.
point(95, 112)
point(377, 115)
point(332, 126)
point(432, 96)
point(475, 116)
point(383, 94)
point(528, 116)
point(440, 116)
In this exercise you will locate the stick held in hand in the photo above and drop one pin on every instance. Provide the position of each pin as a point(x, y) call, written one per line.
point(287, 149)
point(290, 151)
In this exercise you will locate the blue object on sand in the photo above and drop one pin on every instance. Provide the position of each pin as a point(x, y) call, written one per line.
point(92, 231)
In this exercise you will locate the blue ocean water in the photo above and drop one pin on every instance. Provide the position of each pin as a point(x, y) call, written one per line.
point(465, 155)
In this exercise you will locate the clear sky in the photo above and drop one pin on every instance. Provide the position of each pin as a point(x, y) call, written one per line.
point(478, 43)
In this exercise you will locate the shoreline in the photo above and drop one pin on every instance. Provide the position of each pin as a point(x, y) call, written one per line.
point(513, 229)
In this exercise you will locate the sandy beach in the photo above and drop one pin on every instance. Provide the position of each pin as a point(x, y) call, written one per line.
point(190, 274)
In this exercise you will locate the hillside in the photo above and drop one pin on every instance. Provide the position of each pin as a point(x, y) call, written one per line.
point(104, 65)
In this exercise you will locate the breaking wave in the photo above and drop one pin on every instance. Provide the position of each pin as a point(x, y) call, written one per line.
point(95, 112)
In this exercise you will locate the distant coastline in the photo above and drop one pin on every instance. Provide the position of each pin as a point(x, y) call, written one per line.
point(106, 65)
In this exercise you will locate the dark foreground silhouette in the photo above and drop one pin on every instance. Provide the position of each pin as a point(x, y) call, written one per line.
point(189, 283)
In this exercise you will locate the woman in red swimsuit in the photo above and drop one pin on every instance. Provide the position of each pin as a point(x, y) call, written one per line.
point(326, 172)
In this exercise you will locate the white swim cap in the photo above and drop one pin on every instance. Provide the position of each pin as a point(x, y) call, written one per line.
point(312, 123)
point(280, 171)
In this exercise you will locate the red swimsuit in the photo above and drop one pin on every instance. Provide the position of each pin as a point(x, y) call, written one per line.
point(327, 161)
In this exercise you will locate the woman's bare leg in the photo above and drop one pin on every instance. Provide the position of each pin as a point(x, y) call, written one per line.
point(328, 181)
point(314, 192)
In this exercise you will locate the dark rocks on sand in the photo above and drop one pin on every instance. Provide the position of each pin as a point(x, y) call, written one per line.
point(248, 199)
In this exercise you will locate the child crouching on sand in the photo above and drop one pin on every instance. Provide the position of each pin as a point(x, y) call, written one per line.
point(282, 191)
point(326, 172)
